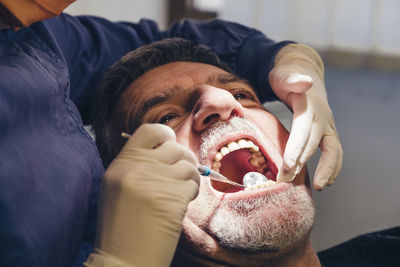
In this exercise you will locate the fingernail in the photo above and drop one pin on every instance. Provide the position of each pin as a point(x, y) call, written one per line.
point(285, 176)
point(288, 164)
point(319, 186)
point(280, 177)
point(298, 170)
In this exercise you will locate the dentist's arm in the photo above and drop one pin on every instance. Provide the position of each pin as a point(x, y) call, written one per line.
point(297, 78)
point(143, 199)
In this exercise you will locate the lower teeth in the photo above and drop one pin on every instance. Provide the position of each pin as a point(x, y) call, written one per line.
point(255, 180)
point(261, 185)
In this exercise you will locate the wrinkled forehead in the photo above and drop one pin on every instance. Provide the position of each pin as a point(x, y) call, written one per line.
point(178, 75)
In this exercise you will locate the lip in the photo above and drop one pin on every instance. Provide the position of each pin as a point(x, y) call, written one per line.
point(279, 187)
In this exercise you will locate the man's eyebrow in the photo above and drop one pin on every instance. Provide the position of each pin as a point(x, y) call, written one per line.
point(155, 100)
point(225, 78)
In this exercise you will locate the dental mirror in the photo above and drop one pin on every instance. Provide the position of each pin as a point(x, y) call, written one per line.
point(253, 178)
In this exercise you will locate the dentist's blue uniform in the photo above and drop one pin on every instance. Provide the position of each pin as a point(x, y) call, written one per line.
point(49, 166)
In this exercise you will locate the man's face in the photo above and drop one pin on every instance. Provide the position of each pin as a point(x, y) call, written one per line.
point(215, 114)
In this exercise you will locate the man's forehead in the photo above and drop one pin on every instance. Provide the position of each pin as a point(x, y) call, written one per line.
point(176, 73)
point(177, 78)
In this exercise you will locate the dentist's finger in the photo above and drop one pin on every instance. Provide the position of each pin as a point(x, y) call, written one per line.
point(311, 146)
point(188, 155)
point(338, 165)
point(183, 170)
point(299, 135)
point(285, 176)
point(309, 150)
point(298, 83)
point(327, 162)
point(284, 79)
point(168, 152)
point(150, 135)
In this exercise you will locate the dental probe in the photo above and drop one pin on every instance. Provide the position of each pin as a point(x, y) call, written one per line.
point(216, 176)
point(125, 135)
point(204, 170)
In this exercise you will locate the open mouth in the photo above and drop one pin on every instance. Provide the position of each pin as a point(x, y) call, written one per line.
point(235, 159)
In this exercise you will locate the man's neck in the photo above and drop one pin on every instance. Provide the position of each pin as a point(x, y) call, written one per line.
point(304, 255)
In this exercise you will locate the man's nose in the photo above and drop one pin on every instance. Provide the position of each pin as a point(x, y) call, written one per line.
point(214, 104)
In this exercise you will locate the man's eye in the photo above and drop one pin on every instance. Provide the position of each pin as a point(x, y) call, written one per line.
point(245, 97)
point(167, 118)
point(241, 96)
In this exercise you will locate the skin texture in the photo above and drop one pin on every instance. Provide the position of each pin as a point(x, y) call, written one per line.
point(190, 98)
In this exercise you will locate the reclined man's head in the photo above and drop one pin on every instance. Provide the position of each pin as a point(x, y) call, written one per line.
point(218, 116)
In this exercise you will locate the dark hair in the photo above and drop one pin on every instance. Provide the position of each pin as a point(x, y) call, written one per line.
point(129, 68)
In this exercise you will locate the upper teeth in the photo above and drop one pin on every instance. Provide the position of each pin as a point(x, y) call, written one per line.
point(257, 159)
point(235, 145)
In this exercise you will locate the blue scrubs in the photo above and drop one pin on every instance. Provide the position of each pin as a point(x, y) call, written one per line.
point(49, 166)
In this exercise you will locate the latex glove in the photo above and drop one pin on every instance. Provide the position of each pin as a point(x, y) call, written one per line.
point(297, 79)
point(143, 199)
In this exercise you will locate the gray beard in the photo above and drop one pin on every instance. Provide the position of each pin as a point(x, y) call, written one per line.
point(267, 223)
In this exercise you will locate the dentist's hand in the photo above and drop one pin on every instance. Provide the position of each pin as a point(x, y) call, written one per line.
point(297, 79)
point(143, 199)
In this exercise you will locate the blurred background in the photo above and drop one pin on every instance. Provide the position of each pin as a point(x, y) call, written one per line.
point(359, 41)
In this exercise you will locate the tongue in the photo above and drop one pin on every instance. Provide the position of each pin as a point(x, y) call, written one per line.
point(236, 164)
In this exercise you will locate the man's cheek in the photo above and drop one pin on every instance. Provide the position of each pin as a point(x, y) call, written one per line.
point(270, 127)
point(185, 137)
point(202, 207)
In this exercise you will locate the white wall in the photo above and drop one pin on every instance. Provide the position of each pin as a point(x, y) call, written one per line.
point(127, 10)
point(352, 25)
point(388, 33)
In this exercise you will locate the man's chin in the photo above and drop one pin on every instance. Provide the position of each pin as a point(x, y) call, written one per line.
point(266, 224)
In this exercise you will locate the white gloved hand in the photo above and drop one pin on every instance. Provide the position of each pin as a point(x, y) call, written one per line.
point(143, 199)
point(297, 80)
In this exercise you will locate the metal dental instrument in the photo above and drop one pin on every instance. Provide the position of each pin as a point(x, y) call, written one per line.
point(253, 178)
point(125, 135)
point(204, 170)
